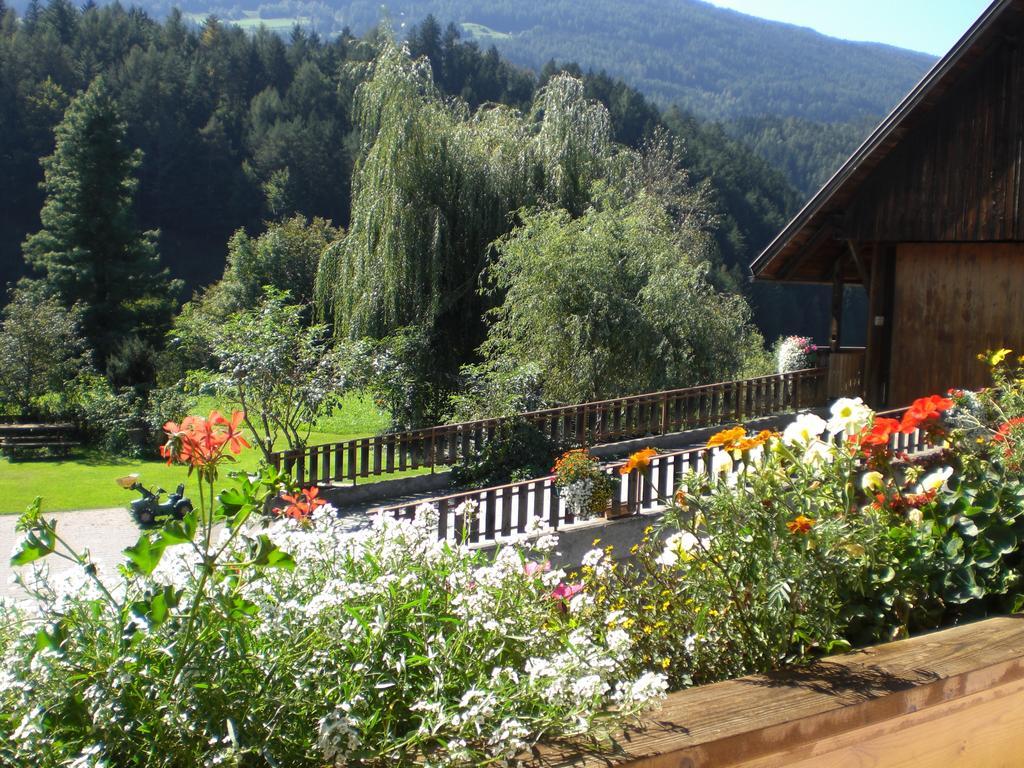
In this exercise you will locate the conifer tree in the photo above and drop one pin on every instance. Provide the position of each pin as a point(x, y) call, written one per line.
point(89, 250)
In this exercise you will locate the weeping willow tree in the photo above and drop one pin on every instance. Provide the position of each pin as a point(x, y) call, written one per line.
point(434, 185)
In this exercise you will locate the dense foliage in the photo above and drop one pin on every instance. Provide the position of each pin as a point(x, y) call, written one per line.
point(223, 641)
point(234, 127)
point(713, 61)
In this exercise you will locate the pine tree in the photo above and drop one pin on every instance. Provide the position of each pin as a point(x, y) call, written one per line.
point(89, 250)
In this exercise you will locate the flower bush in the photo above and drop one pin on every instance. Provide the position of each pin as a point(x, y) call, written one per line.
point(581, 482)
point(795, 353)
point(798, 544)
point(223, 640)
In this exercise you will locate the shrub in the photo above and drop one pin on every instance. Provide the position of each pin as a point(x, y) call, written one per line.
point(517, 451)
point(796, 545)
point(794, 353)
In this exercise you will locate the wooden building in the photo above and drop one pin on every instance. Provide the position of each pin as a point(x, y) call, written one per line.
point(927, 215)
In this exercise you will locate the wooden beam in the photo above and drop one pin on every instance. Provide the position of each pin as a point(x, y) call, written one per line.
point(836, 327)
point(805, 253)
point(865, 278)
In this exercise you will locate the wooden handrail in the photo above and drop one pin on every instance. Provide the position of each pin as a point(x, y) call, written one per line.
point(501, 508)
point(622, 418)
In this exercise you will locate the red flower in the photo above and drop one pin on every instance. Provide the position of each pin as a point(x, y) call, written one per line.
point(1003, 433)
point(563, 593)
point(200, 442)
point(923, 410)
point(301, 508)
point(877, 435)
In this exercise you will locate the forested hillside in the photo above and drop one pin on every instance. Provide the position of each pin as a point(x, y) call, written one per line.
point(707, 60)
point(236, 128)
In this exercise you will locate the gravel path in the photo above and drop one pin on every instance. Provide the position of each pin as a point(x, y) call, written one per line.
point(105, 532)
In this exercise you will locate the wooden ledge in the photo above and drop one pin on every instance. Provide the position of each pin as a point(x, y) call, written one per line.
point(948, 698)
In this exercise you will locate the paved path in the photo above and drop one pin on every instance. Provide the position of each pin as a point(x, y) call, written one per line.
point(104, 531)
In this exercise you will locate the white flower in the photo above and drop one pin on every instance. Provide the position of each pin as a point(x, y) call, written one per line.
point(677, 546)
point(803, 431)
point(935, 480)
point(849, 415)
point(818, 454)
point(871, 481)
point(593, 557)
point(721, 462)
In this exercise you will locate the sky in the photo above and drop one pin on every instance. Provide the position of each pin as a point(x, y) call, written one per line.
point(932, 26)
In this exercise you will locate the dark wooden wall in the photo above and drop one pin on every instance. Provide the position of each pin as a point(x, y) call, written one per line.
point(958, 174)
point(952, 301)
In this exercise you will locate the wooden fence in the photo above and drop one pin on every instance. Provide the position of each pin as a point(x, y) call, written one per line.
point(499, 512)
point(623, 418)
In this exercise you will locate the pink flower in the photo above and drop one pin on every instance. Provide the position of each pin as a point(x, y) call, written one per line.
point(530, 568)
point(566, 592)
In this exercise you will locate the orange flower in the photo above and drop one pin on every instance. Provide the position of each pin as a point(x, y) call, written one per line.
point(755, 441)
point(923, 410)
point(727, 438)
point(200, 442)
point(801, 524)
point(639, 461)
point(680, 498)
point(301, 508)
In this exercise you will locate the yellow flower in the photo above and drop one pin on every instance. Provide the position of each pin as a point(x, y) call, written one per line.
point(994, 358)
point(801, 524)
point(639, 461)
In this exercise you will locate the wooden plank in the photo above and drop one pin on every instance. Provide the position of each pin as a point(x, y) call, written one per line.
point(953, 698)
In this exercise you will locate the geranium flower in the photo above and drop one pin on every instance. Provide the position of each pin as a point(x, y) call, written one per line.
point(301, 509)
point(563, 593)
point(639, 461)
point(801, 524)
point(923, 410)
point(877, 435)
point(235, 441)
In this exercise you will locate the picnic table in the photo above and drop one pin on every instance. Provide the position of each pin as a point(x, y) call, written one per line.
point(57, 438)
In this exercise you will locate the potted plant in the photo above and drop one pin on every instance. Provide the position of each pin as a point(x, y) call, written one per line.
point(585, 487)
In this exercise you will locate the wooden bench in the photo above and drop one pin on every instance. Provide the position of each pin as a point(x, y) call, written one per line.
point(21, 438)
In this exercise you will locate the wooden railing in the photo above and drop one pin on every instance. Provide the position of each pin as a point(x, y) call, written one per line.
point(623, 418)
point(507, 509)
point(845, 371)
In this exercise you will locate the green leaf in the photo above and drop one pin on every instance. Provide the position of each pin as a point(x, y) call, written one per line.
point(1002, 540)
point(157, 607)
point(50, 637)
point(144, 556)
point(37, 543)
point(180, 531)
point(267, 554)
point(967, 527)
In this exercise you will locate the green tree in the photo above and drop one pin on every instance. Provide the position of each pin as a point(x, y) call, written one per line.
point(278, 371)
point(616, 301)
point(41, 349)
point(89, 250)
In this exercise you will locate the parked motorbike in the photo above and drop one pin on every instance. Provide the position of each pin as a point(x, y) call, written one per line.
point(148, 510)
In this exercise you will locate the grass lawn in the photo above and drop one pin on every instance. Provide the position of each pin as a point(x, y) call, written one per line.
point(86, 480)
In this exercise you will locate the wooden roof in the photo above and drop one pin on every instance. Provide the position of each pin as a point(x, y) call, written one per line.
point(806, 249)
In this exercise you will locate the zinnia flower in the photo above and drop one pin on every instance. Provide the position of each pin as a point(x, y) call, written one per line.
point(801, 524)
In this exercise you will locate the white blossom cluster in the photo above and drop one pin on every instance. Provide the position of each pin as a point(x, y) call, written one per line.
point(391, 646)
point(577, 496)
point(795, 353)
